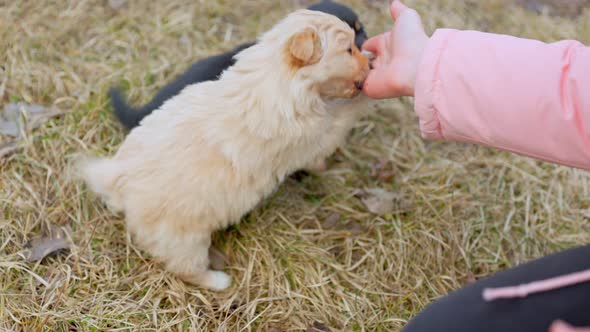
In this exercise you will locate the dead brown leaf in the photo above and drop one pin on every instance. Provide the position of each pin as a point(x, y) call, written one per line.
point(57, 238)
point(318, 327)
point(16, 118)
point(379, 201)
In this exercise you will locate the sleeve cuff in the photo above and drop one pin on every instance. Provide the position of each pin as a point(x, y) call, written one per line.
point(426, 87)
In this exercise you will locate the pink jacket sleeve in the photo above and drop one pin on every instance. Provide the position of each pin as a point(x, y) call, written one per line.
point(514, 94)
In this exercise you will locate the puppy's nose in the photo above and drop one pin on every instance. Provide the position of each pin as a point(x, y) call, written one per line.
point(359, 85)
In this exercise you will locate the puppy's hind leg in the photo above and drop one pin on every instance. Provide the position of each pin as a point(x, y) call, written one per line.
point(191, 264)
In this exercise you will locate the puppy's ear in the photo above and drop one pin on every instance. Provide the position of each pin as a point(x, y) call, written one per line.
point(304, 48)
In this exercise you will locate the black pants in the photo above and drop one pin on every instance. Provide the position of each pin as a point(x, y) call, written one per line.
point(466, 311)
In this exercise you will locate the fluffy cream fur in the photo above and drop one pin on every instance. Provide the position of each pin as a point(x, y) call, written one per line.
point(213, 152)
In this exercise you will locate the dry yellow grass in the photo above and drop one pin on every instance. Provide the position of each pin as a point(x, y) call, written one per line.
point(468, 211)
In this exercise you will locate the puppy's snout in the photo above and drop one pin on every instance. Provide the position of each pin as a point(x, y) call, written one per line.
point(362, 75)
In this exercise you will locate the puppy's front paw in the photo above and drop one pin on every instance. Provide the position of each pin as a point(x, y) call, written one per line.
point(217, 280)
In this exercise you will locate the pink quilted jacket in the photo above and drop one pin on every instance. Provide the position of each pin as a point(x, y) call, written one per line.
point(515, 94)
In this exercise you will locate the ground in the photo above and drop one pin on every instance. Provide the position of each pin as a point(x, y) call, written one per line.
point(312, 254)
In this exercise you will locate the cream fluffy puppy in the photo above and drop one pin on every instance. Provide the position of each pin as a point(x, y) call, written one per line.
point(212, 153)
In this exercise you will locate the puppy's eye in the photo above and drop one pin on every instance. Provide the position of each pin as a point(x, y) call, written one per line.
point(350, 50)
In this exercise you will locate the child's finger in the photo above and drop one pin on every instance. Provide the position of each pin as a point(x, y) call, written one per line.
point(396, 8)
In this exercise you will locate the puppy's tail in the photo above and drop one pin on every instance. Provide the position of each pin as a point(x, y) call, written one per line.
point(103, 176)
point(126, 114)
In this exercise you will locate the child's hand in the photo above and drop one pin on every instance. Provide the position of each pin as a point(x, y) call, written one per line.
point(398, 54)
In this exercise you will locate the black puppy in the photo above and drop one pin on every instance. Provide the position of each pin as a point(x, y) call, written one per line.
point(210, 68)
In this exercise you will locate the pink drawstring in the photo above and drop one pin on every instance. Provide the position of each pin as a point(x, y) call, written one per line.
point(491, 294)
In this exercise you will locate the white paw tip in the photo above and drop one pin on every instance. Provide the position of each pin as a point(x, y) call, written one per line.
point(219, 280)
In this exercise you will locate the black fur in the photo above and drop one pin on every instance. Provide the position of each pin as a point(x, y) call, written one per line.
point(210, 68)
point(203, 70)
